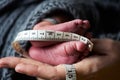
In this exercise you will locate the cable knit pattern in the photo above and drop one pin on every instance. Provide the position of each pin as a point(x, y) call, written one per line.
point(19, 15)
point(21, 18)
point(3, 3)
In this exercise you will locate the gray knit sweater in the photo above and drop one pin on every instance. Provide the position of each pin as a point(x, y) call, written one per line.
point(19, 15)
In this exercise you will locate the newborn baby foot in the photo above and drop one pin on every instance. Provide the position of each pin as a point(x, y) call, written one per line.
point(55, 53)
point(76, 26)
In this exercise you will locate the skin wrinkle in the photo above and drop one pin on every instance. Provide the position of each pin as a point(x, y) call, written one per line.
point(51, 75)
point(57, 56)
point(72, 47)
point(62, 57)
point(65, 49)
point(39, 58)
point(68, 47)
point(52, 56)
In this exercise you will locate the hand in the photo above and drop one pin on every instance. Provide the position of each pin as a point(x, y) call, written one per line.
point(55, 53)
point(103, 64)
point(29, 67)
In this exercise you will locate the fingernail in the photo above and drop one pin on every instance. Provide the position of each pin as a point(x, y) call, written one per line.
point(18, 69)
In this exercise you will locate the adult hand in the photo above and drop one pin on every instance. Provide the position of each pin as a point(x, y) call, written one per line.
point(103, 64)
point(55, 53)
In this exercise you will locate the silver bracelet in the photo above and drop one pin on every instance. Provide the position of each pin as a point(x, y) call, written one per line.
point(70, 72)
point(52, 20)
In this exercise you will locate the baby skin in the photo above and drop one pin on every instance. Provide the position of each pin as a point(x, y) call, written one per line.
point(54, 52)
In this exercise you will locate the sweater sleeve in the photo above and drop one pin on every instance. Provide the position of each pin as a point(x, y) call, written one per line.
point(93, 10)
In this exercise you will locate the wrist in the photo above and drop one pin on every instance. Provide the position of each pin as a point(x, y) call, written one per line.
point(66, 72)
point(60, 69)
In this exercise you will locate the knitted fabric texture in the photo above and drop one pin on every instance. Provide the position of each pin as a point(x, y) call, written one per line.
point(19, 15)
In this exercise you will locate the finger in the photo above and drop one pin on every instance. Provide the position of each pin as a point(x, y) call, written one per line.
point(28, 67)
point(43, 71)
point(11, 62)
